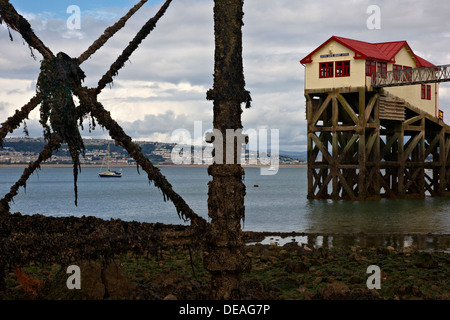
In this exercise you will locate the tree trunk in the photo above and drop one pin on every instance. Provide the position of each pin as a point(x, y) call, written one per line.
point(226, 258)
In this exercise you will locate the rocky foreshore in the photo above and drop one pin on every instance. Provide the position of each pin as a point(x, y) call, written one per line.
point(293, 270)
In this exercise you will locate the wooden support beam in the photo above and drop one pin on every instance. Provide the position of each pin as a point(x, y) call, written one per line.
point(324, 187)
point(348, 108)
point(370, 106)
point(412, 144)
point(401, 166)
point(362, 143)
point(317, 177)
point(413, 128)
point(321, 147)
point(376, 149)
point(349, 145)
point(432, 145)
point(309, 107)
point(322, 108)
point(442, 161)
point(413, 179)
point(330, 129)
point(413, 119)
point(335, 147)
point(370, 143)
point(360, 164)
point(386, 187)
point(345, 185)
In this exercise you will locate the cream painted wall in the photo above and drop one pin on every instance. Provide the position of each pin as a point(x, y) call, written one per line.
point(412, 94)
point(357, 69)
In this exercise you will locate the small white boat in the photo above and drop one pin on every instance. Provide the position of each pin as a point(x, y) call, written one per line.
point(273, 169)
point(110, 173)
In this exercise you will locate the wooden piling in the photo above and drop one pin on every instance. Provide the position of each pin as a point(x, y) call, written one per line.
point(368, 144)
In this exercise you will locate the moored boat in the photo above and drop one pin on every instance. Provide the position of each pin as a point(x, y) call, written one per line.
point(110, 173)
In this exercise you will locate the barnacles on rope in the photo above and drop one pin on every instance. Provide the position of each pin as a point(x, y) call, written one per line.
point(133, 45)
point(18, 23)
point(109, 32)
point(60, 79)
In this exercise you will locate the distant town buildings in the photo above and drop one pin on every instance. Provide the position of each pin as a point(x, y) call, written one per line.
point(26, 150)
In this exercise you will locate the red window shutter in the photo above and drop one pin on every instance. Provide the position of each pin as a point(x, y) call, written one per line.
point(338, 69)
point(408, 73)
point(397, 68)
point(346, 71)
point(330, 69)
point(342, 68)
point(373, 67)
point(326, 70)
point(382, 67)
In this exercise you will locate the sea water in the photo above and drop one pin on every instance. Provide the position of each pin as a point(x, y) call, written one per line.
point(277, 204)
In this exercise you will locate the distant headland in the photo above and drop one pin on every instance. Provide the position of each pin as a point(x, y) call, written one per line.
point(20, 151)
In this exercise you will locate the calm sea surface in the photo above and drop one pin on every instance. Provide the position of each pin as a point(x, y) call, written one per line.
point(279, 204)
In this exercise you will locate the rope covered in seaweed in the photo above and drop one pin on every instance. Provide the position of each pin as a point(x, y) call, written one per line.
point(109, 32)
point(14, 121)
point(20, 24)
point(53, 144)
point(42, 239)
point(88, 100)
point(133, 45)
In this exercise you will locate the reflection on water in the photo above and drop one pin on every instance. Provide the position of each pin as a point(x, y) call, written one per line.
point(396, 241)
point(383, 216)
point(280, 204)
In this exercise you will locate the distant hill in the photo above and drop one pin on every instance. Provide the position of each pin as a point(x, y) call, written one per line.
point(295, 155)
point(24, 150)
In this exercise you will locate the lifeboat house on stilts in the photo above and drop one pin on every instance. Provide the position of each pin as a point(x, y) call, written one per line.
point(374, 124)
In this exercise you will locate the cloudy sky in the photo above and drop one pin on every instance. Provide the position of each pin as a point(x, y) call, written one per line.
point(163, 86)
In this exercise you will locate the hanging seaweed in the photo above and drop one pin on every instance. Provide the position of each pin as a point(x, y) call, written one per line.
point(56, 84)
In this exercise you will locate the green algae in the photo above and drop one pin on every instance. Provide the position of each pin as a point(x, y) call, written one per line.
point(278, 272)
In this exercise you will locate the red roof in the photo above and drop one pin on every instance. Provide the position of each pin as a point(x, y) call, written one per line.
point(384, 51)
point(423, 62)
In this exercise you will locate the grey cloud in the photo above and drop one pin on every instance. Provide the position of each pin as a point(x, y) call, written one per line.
point(3, 105)
point(276, 34)
point(165, 124)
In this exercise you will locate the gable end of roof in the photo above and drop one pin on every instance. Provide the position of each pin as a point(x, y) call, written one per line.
point(384, 51)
